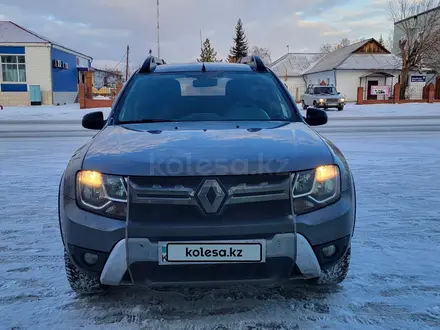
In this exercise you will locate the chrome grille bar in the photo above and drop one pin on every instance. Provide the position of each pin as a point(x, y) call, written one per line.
point(156, 194)
point(244, 193)
point(237, 194)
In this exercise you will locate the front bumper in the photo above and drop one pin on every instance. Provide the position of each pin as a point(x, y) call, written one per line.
point(143, 263)
point(86, 232)
point(330, 105)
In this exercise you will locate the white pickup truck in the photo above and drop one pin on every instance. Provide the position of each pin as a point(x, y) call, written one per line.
point(325, 97)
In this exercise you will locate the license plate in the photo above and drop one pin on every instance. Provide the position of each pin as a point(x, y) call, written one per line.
point(172, 253)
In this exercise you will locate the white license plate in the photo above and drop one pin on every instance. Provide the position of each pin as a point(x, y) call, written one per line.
point(172, 253)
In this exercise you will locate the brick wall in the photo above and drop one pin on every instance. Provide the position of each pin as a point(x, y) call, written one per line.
point(87, 102)
point(14, 98)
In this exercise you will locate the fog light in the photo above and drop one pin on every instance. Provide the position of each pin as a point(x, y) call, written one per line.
point(90, 258)
point(329, 250)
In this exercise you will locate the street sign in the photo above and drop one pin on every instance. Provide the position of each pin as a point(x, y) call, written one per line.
point(418, 78)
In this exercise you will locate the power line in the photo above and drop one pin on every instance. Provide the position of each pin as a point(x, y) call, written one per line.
point(120, 61)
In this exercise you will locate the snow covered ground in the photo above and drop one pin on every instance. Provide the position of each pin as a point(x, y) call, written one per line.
point(393, 282)
point(73, 112)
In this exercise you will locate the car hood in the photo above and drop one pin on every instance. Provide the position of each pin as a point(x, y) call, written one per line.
point(206, 148)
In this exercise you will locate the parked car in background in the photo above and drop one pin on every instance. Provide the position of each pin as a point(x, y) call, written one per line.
point(322, 97)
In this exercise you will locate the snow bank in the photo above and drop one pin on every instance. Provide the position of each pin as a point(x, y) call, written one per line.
point(73, 112)
point(382, 110)
point(62, 112)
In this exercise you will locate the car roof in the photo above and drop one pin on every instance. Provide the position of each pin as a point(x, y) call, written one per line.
point(195, 67)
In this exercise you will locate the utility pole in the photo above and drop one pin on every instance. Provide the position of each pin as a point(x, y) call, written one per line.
point(288, 48)
point(158, 40)
point(126, 63)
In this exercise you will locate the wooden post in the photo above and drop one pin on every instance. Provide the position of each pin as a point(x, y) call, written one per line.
point(431, 93)
point(425, 92)
point(89, 84)
point(360, 96)
point(396, 96)
point(437, 88)
point(82, 96)
point(126, 63)
point(118, 88)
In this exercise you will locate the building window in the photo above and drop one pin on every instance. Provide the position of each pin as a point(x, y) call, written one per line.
point(13, 68)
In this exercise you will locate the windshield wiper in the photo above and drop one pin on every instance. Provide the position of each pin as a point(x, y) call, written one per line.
point(144, 121)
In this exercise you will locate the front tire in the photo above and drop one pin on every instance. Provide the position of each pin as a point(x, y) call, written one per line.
point(337, 273)
point(81, 283)
point(340, 108)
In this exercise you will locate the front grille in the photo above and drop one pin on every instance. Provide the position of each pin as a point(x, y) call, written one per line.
point(332, 100)
point(273, 268)
point(221, 200)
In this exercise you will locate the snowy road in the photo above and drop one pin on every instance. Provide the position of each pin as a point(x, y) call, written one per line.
point(393, 282)
point(73, 128)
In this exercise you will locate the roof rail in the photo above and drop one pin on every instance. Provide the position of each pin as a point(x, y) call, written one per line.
point(255, 62)
point(150, 64)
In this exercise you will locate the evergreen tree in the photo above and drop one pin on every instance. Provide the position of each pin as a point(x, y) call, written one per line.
point(240, 47)
point(207, 53)
point(381, 41)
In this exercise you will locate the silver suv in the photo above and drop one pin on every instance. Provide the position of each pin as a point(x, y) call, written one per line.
point(205, 173)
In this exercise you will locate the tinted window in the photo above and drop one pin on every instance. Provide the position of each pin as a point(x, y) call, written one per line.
point(325, 90)
point(207, 96)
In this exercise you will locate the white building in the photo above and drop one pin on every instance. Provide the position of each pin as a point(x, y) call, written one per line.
point(35, 70)
point(410, 28)
point(413, 25)
point(291, 68)
point(363, 64)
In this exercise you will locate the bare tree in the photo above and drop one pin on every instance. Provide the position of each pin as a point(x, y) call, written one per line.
point(419, 45)
point(389, 41)
point(344, 42)
point(264, 53)
point(111, 76)
point(327, 48)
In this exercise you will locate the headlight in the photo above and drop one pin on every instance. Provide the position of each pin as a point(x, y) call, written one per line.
point(101, 193)
point(321, 100)
point(317, 188)
point(342, 100)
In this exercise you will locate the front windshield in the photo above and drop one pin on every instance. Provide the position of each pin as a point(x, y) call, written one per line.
point(205, 96)
point(325, 90)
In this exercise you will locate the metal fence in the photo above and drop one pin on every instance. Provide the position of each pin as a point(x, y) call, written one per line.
point(415, 92)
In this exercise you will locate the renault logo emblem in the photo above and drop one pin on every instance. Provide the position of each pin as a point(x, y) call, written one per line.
point(211, 196)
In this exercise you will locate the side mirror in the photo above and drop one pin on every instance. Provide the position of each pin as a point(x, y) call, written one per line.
point(93, 120)
point(316, 117)
point(339, 93)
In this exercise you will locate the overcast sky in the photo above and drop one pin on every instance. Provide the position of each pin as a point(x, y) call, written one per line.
point(103, 28)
